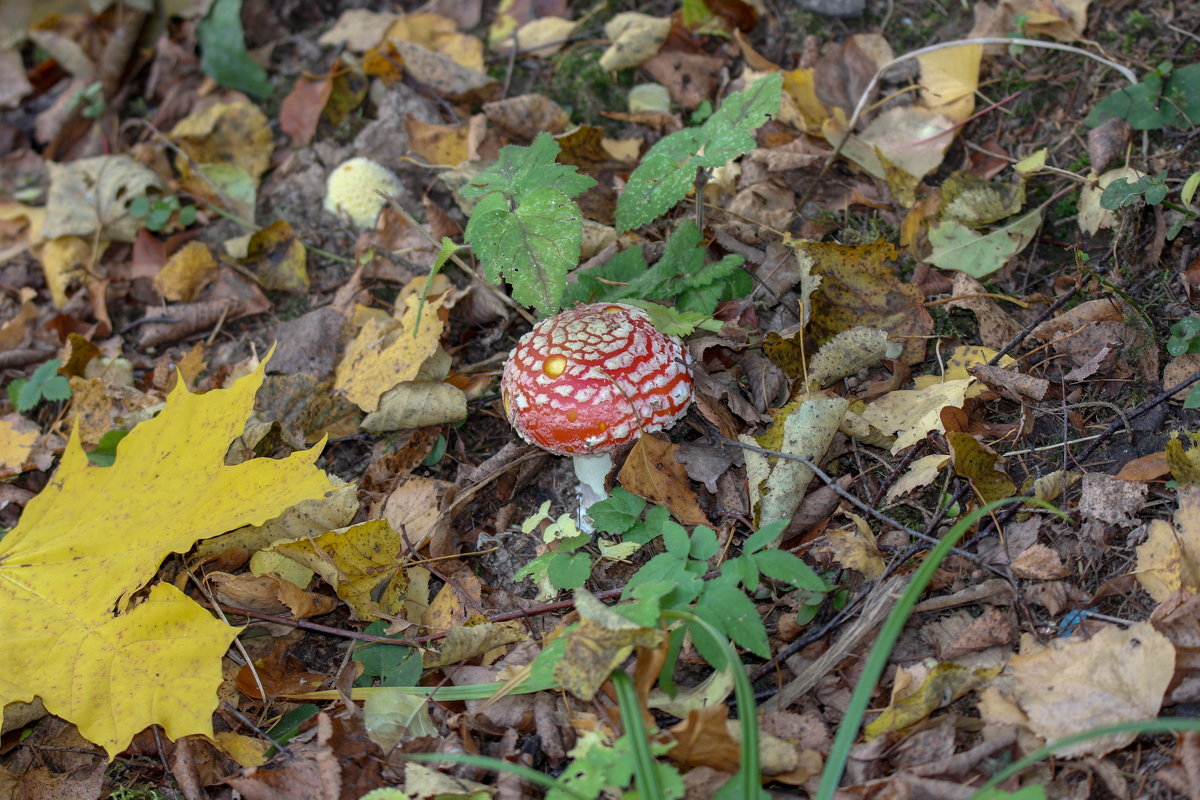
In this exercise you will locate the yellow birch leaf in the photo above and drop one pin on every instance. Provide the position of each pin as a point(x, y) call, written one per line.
point(186, 272)
point(385, 354)
point(949, 79)
point(73, 634)
point(17, 437)
point(1169, 559)
point(911, 414)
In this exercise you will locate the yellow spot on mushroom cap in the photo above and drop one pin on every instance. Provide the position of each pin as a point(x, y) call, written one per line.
point(554, 366)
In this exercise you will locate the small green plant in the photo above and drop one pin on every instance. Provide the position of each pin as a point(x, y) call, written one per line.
point(1185, 337)
point(157, 214)
point(680, 275)
point(44, 384)
point(390, 665)
point(1153, 190)
point(527, 228)
point(89, 100)
point(1165, 98)
point(675, 579)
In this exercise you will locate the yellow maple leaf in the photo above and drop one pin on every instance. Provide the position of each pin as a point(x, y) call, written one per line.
point(95, 536)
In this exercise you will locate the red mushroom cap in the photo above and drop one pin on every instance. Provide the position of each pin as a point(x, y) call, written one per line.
point(593, 378)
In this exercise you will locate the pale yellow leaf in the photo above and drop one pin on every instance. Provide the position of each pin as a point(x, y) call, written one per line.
point(912, 414)
point(386, 353)
point(1169, 559)
point(1118, 675)
point(949, 78)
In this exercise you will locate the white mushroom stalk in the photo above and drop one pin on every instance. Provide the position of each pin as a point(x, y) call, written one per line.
point(591, 379)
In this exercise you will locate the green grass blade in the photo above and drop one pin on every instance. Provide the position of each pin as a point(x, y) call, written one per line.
point(500, 765)
point(888, 634)
point(1140, 726)
point(645, 772)
point(746, 784)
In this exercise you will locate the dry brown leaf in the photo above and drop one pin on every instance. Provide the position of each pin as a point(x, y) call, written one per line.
point(653, 471)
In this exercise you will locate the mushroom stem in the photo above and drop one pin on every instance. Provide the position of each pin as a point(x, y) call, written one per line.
point(591, 471)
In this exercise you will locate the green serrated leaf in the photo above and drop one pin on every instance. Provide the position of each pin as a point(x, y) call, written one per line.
point(520, 170)
point(726, 607)
point(704, 543)
point(57, 388)
point(764, 536)
point(223, 51)
point(526, 229)
point(668, 170)
point(532, 247)
point(28, 396)
point(570, 571)
point(619, 512)
point(729, 132)
point(46, 371)
point(671, 321)
point(790, 569)
point(675, 539)
point(655, 187)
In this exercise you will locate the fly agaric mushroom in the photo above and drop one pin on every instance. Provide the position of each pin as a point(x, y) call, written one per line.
point(591, 379)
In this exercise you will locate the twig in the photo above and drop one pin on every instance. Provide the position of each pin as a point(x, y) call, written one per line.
point(861, 505)
point(1158, 399)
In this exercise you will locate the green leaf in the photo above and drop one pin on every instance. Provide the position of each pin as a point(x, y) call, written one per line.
point(675, 539)
point(14, 393)
point(674, 322)
point(790, 569)
point(391, 664)
point(1163, 98)
point(105, 454)
point(224, 57)
point(729, 131)
point(619, 512)
point(959, 248)
point(607, 281)
point(570, 571)
point(46, 371)
point(1193, 398)
point(1121, 193)
point(680, 276)
point(28, 396)
point(659, 182)
point(644, 532)
point(526, 228)
point(140, 206)
point(704, 543)
point(763, 537)
point(57, 388)
point(726, 607)
point(668, 170)
point(520, 170)
point(744, 571)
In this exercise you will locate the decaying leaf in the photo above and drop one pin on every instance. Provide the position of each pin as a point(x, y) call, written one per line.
point(1169, 559)
point(804, 429)
point(1075, 685)
point(602, 641)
